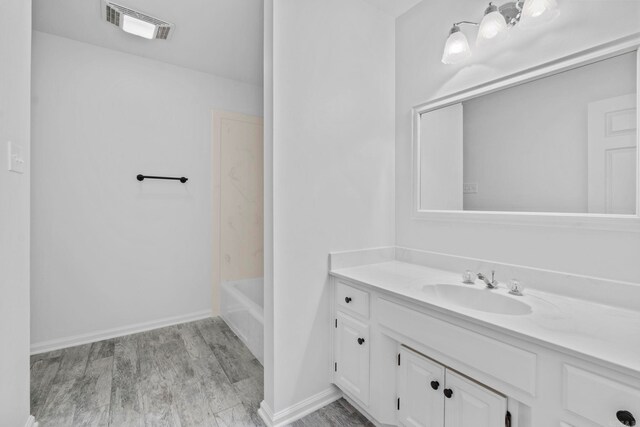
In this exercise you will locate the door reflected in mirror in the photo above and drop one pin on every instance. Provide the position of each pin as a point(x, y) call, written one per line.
point(565, 143)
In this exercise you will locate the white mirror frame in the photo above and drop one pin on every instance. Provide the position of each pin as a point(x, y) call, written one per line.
point(545, 219)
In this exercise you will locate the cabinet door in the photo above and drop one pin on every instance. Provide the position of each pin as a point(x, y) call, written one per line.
point(420, 385)
point(471, 404)
point(352, 357)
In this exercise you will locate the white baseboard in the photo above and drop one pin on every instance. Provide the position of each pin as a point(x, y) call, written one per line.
point(266, 413)
point(43, 347)
point(300, 409)
point(31, 422)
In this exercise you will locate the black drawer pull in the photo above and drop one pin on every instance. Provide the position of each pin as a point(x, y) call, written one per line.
point(626, 418)
point(360, 341)
point(435, 385)
point(347, 299)
point(448, 392)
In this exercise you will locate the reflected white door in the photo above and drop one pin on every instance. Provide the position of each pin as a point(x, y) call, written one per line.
point(612, 152)
point(440, 156)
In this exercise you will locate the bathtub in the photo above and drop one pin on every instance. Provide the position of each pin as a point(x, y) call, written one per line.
point(241, 307)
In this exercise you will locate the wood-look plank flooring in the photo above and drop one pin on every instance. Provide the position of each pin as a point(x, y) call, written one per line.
point(193, 374)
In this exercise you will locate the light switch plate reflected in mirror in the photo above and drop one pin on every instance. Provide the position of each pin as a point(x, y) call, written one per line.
point(16, 160)
point(470, 188)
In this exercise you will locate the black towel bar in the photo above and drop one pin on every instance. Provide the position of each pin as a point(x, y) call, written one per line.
point(181, 179)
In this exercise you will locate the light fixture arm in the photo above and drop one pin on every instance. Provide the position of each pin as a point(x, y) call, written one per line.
point(457, 24)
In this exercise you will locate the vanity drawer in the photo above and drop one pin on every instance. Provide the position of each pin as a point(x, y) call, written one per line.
point(597, 398)
point(352, 299)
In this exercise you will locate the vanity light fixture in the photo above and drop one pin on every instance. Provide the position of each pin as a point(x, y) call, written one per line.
point(495, 23)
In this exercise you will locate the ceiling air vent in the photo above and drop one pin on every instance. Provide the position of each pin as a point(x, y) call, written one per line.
point(135, 22)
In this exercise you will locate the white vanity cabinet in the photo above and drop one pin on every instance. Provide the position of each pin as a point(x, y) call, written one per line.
point(471, 404)
point(351, 344)
point(351, 355)
point(420, 390)
point(406, 362)
point(430, 395)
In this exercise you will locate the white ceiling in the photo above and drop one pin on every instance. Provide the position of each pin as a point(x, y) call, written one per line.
point(221, 37)
point(394, 7)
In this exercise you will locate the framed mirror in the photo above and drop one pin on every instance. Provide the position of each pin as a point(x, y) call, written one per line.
point(557, 144)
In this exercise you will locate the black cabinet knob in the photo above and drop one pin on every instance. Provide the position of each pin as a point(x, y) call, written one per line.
point(347, 299)
point(360, 341)
point(626, 418)
point(435, 385)
point(448, 393)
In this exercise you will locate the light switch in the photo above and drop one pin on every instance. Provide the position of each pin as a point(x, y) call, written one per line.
point(470, 188)
point(16, 161)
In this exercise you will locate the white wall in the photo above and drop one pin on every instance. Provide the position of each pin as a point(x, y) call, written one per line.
point(332, 156)
point(526, 146)
point(110, 252)
point(420, 76)
point(15, 54)
point(268, 243)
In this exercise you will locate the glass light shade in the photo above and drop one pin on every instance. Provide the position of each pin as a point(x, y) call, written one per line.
point(538, 11)
point(456, 48)
point(492, 27)
point(138, 27)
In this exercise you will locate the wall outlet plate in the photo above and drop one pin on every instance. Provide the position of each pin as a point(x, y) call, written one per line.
point(470, 188)
point(16, 159)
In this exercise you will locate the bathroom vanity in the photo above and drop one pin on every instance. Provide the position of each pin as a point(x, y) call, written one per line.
point(414, 346)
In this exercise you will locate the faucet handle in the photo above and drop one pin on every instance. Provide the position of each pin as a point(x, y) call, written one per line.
point(515, 287)
point(468, 277)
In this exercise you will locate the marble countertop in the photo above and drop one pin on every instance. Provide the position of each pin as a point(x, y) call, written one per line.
point(607, 333)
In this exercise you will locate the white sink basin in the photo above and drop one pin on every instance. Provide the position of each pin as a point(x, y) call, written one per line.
point(479, 299)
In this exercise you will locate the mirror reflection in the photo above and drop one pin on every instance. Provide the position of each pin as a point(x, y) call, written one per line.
point(561, 144)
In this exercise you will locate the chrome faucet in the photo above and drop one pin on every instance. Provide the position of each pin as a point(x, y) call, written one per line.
point(491, 284)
